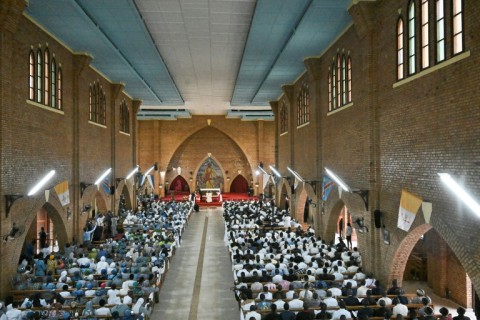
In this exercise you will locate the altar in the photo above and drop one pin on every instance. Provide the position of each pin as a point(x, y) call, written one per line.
point(210, 195)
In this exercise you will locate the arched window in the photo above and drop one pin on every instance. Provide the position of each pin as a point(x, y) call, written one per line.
point(124, 117)
point(425, 35)
point(283, 118)
point(440, 30)
point(457, 12)
point(31, 76)
point(349, 82)
point(39, 76)
point(306, 103)
point(330, 107)
point(53, 83)
point(59, 88)
point(400, 63)
point(411, 38)
point(98, 104)
point(303, 105)
point(46, 77)
point(334, 87)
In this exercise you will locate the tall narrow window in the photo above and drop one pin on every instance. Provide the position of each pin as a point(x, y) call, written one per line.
point(425, 35)
point(39, 76)
point(344, 80)
point(53, 83)
point(102, 108)
point(411, 38)
point(457, 26)
point(59, 89)
point(283, 118)
point(400, 62)
point(330, 91)
point(334, 87)
point(31, 76)
point(124, 117)
point(440, 30)
point(349, 82)
point(299, 110)
point(46, 78)
point(306, 103)
point(339, 81)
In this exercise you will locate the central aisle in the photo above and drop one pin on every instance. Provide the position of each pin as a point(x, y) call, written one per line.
point(200, 277)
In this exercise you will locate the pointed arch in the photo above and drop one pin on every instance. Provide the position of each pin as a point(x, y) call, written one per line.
point(179, 185)
point(239, 185)
point(303, 193)
point(126, 190)
point(285, 191)
point(24, 213)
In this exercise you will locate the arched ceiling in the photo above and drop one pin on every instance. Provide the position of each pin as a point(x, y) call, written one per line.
point(183, 57)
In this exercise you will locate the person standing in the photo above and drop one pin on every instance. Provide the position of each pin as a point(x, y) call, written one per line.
point(348, 235)
point(42, 235)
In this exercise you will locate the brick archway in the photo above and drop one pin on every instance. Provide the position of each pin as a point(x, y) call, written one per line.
point(332, 224)
point(400, 257)
point(285, 191)
point(304, 192)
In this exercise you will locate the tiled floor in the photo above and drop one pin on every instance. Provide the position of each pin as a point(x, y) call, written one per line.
point(189, 293)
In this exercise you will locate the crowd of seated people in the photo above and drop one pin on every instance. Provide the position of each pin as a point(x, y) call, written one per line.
point(117, 278)
point(282, 271)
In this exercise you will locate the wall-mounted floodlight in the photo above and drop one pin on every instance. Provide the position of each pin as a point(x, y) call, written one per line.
point(460, 192)
point(99, 180)
point(295, 174)
point(263, 170)
point(132, 173)
point(257, 172)
point(337, 179)
point(275, 171)
point(41, 183)
point(149, 170)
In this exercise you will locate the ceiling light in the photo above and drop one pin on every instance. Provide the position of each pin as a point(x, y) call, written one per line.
point(460, 192)
point(42, 182)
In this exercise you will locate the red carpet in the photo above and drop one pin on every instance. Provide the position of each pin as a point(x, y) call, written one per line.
point(225, 197)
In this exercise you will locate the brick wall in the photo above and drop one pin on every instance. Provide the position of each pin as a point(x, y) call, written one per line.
point(397, 135)
point(234, 144)
point(35, 140)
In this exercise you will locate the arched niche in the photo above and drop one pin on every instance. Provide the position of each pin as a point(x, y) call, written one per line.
point(239, 185)
point(179, 185)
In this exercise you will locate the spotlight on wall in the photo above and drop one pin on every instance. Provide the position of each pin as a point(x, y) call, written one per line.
point(41, 183)
point(149, 170)
point(337, 179)
point(460, 192)
point(299, 177)
point(132, 173)
point(100, 179)
point(260, 167)
point(275, 171)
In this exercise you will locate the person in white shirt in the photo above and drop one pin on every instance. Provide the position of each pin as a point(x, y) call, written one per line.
point(253, 313)
point(295, 303)
point(342, 311)
point(399, 308)
point(330, 301)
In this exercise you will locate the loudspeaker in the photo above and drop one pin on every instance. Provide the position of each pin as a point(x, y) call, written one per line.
point(378, 218)
point(112, 190)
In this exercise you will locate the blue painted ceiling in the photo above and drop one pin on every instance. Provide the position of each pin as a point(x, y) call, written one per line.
point(183, 57)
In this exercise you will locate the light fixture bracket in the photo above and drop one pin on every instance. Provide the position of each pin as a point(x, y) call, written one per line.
point(364, 195)
point(9, 200)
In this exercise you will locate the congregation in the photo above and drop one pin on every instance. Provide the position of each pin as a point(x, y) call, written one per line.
point(118, 277)
point(283, 271)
